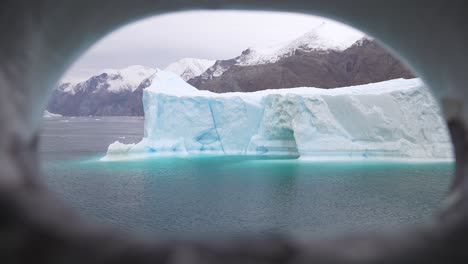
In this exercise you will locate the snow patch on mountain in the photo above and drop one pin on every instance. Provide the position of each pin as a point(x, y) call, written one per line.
point(397, 119)
point(324, 37)
point(112, 80)
point(188, 68)
point(127, 78)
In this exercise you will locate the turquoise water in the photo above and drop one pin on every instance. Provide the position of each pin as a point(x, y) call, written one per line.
point(180, 196)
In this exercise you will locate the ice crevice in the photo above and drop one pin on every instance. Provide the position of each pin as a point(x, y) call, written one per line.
point(396, 119)
point(215, 126)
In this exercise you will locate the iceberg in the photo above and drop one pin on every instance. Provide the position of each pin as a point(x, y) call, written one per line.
point(396, 119)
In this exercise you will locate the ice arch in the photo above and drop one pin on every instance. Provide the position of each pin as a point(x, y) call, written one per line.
point(41, 38)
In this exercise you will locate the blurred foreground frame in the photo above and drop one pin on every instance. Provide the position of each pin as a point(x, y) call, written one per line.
point(39, 41)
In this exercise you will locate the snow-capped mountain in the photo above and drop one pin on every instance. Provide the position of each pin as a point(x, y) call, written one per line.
point(299, 64)
point(315, 59)
point(127, 78)
point(325, 37)
point(188, 68)
point(107, 93)
point(115, 91)
point(111, 80)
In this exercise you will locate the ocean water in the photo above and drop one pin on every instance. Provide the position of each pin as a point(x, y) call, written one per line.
point(178, 196)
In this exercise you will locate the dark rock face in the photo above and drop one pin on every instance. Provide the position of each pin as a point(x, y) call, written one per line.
point(364, 62)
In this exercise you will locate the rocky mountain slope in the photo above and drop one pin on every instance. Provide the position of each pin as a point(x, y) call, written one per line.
point(363, 62)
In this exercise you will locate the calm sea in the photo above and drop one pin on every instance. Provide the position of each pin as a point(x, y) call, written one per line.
point(180, 196)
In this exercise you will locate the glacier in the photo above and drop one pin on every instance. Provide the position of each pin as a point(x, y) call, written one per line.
point(396, 119)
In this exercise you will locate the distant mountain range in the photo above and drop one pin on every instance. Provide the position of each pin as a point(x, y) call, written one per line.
point(316, 59)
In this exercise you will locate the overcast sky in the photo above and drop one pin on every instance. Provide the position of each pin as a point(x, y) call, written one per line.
point(158, 41)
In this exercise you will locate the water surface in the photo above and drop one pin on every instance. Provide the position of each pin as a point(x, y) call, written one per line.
point(193, 195)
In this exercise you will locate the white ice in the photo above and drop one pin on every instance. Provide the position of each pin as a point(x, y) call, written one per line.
point(397, 119)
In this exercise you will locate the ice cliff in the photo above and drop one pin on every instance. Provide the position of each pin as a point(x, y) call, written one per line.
point(391, 119)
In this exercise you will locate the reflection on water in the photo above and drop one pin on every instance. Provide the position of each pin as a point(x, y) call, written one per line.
point(231, 194)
